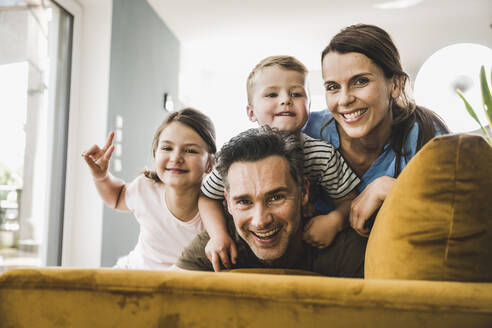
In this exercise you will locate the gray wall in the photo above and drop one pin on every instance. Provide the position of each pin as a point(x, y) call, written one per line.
point(144, 65)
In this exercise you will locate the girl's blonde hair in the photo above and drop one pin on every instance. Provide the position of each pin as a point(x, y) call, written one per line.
point(192, 118)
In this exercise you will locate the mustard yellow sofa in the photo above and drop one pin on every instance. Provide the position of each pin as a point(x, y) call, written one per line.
point(60, 297)
point(428, 264)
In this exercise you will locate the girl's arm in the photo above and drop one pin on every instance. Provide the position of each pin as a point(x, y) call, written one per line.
point(111, 189)
point(368, 202)
point(220, 244)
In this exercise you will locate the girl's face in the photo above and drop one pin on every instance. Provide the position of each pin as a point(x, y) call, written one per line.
point(358, 94)
point(181, 158)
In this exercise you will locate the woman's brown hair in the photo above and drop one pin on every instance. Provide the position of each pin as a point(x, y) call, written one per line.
point(377, 45)
point(192, 118)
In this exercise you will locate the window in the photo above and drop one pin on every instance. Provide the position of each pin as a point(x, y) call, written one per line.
point(34, 101)
point(452, 67)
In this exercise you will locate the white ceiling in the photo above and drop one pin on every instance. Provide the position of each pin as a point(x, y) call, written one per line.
point(220, 29)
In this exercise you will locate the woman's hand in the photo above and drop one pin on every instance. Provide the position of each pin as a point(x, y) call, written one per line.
point(98, 158)
point(368, 202)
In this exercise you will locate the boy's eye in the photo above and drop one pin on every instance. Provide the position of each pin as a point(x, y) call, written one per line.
point(297, 95)
point(271, 95)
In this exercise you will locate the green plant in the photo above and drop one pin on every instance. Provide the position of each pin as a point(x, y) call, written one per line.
point(487, 103)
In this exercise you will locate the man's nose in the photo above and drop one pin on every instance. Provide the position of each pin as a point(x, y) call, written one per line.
point(262, 217)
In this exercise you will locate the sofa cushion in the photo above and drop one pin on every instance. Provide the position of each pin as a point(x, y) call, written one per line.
point(436, 223)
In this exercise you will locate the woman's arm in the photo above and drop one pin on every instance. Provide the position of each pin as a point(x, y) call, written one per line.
point(368, 202)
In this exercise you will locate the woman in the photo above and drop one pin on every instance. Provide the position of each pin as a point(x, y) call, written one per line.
point(371, 120)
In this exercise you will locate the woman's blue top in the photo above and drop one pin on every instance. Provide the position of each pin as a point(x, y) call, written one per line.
point(384, 164)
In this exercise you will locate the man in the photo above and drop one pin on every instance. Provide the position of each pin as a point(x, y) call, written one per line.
point(265, 192)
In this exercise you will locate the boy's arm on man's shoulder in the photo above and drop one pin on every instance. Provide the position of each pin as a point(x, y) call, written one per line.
point(193, 256)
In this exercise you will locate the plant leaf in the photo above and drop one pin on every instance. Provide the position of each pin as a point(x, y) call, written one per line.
point(486, 96)
point(471, 111)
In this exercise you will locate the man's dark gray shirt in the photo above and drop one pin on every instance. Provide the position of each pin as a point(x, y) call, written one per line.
point(343, 258)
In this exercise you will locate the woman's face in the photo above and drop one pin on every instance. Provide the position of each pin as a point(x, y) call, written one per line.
point(358, 94)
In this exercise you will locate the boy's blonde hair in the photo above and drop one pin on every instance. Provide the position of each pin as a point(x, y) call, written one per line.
point(288, 63)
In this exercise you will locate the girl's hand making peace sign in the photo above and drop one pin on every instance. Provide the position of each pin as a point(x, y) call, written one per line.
point(98, 158)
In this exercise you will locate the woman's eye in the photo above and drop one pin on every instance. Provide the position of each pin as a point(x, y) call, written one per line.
point(362, 81)
point(331, 87)
point(191, 151)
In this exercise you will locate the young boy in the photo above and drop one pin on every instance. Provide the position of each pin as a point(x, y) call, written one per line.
point(278, 96)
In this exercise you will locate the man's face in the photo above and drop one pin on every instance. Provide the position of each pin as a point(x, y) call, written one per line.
point(265, 202)
point(279, 99)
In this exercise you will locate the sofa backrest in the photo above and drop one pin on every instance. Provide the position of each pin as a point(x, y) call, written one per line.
point(92, 298)
point(436, 223)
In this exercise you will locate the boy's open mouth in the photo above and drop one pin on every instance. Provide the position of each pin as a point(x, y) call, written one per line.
point(286, 113)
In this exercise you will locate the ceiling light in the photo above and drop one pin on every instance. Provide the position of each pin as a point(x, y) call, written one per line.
point(396, 4)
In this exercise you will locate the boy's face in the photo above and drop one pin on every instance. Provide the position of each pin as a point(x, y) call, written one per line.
point(279, 99)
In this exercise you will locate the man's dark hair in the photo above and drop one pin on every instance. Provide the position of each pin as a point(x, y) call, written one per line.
point(258, 143)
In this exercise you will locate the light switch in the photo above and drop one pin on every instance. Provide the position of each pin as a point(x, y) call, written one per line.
point(118, 135)
point(117, 165)
point(118, 121)
point(118, 149)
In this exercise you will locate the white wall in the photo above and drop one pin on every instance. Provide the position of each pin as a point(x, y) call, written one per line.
point(213, 80)
point(88, 114)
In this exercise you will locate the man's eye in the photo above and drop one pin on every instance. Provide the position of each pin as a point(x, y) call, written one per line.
point(244, 202)
point(271, 95)
point(276, 198)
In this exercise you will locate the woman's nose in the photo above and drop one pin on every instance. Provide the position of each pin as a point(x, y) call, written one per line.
point(346, 98)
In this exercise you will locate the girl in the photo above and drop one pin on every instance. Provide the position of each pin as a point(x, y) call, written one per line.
point(164, 201)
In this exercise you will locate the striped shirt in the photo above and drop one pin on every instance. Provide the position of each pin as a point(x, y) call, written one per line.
point(323, 166)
